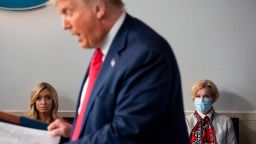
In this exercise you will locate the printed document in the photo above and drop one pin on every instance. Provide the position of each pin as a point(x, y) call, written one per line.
point(14, 134)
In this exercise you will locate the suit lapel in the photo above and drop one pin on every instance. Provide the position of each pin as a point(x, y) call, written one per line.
point(108, 66)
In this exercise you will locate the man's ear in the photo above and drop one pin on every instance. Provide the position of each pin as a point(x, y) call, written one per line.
point(100, 9)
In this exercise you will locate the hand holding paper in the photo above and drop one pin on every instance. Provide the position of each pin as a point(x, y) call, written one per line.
point(14, 134)
point(21, 130)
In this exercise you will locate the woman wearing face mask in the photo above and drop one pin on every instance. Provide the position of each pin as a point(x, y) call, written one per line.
point(43, 104)
point(205, 126)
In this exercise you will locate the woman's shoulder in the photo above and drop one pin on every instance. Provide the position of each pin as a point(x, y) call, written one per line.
point(190, 119)
point(222, 118)
point(190, 116)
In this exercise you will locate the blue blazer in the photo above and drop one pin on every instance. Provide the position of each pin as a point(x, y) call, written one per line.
point(137, 97)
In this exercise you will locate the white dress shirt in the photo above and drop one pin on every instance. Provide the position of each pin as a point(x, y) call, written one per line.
point(223, 126)
point(104, 48)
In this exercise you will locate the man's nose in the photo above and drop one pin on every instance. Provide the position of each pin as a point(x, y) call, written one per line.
point(65, 23)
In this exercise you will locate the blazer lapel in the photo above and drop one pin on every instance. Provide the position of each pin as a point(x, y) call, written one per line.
point(108, 66)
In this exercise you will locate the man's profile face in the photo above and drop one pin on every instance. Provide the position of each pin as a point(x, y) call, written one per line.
point(81, 20)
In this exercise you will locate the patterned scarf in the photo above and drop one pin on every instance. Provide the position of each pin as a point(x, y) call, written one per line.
point(203, 131)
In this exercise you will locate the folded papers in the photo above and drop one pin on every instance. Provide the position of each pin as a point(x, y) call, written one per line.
point(22, 130)
point(15, 134)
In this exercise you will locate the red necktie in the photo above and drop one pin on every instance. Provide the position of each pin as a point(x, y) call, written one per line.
point(93, 72)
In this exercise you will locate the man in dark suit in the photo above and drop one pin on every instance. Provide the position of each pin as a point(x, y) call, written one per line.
point(137, 96)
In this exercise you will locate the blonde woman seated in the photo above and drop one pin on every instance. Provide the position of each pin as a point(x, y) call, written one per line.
point(43, 103)
point(205, 126)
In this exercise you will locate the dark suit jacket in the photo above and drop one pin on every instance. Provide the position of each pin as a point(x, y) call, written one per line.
point(138, 100)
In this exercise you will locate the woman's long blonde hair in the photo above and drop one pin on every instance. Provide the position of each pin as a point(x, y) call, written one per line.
point(33, 112)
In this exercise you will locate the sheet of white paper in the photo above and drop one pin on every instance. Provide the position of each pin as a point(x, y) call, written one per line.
point(14, 134)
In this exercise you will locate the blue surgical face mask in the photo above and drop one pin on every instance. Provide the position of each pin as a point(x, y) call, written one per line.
point(203, 105)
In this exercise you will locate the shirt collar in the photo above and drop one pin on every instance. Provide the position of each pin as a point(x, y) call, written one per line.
point(111, 35)
point(209, 114)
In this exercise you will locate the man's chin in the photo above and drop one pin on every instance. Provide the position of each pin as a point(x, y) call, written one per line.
point(85, 45)
point(82, 45)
